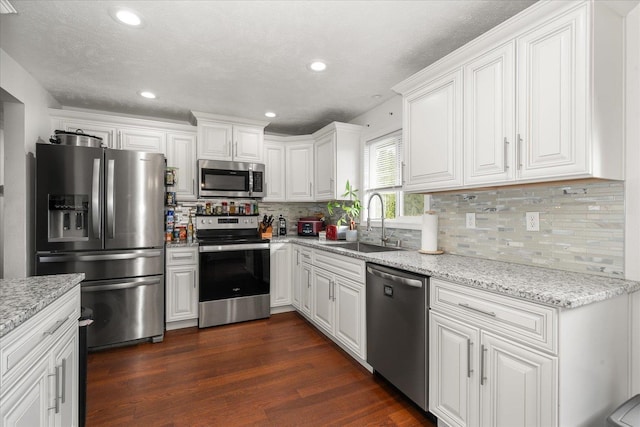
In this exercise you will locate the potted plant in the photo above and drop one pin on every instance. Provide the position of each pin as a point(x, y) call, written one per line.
point(350, 210)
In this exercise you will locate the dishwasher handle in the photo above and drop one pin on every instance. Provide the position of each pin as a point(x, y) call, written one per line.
point(396, 279)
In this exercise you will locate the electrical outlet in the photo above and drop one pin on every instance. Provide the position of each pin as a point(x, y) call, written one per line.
point(471, 220)
point(533, 221)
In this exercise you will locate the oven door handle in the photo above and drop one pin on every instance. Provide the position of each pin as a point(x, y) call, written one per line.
point(229, 248)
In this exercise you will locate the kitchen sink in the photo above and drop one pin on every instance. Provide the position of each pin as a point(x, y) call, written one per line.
point(366, 247)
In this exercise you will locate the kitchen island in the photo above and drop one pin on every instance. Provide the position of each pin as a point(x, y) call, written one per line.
point(39, 350)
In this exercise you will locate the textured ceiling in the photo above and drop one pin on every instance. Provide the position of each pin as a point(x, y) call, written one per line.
point(240, 58)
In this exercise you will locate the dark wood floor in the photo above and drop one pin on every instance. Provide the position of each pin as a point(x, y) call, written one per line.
point(273, 372)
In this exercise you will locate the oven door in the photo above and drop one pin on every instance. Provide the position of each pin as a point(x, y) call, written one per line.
point(233, 271)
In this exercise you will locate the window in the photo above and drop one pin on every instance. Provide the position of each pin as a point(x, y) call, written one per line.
point(383, 175)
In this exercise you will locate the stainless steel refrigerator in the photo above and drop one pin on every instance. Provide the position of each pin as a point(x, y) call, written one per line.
point(100, 212)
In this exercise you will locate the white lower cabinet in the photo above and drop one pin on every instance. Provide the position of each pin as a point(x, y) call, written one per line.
point(280, 274)
point(301, 286)
point(181, 287)
point(39, 369)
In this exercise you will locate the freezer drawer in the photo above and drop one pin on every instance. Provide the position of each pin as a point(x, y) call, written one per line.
point(103, 265)
point(124, 310)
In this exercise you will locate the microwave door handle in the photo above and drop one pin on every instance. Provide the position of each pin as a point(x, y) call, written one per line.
point(250, 182)
point(111, 223)
point(95, 198)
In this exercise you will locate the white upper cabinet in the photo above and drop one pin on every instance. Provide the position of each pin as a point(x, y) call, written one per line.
point(139, 139)
point(543, 101)
point(299, 178)
point(489, 112)
point(275, 171)
point(181, 154)
point(433, 127)
point(229, 138)
point(336, 159)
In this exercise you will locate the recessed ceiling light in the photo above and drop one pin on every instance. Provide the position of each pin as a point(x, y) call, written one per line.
point(318, 66)
point(376, 96)
point(127, 17)
point(147, 94)
point(270, 114)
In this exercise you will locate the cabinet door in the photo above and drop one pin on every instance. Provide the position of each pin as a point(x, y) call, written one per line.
point(247, 143)
point(181, 154)
point(149, 140)
point(306, 295)
point(66, 368)
point(299, 161)
point(552, 98)
point(280, 274)
point(27, 404)
point(489, 87)
point(453, 371)
point(296, 279)
point(322, 286)
point(274, 159)
point(214, 141)
point(350, 321)
point(325, 168)
point(182, 293)
point(433, 132)
point(106, 132)
point(519, 386)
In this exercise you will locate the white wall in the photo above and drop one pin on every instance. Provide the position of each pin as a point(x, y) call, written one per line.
point(26, 121)
point(381, 120)
point(632, 184)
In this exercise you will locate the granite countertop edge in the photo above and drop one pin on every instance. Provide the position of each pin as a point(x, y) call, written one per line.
point(21, 299)
point(556, 288)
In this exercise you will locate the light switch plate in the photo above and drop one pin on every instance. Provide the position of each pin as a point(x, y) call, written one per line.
point(471, 220)
point(533, 221)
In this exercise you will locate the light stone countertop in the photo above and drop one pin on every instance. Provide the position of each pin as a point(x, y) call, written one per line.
point(181, 244)
point(21, 299)
point(541, 285)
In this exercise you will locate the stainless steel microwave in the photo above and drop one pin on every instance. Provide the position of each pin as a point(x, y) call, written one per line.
point(219, 178)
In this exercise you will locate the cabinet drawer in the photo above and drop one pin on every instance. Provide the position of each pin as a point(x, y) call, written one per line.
point(339, 264)
point(302, 254)
point(25, 344)
point(182, 256)
point(523, 321)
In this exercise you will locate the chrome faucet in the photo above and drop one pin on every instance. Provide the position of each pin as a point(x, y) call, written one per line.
point(383, 238)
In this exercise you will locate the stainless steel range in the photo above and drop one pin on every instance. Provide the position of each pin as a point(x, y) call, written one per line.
point(234, 270)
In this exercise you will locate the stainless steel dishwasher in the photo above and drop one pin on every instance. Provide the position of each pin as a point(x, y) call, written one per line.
point(397, 329)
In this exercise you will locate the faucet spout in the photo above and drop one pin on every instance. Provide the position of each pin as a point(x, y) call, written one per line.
point(383, 238)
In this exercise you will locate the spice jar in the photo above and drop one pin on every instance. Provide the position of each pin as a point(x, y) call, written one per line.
point(232, 208)
point(225, 208)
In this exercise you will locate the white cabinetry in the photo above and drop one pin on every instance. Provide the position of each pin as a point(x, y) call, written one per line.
point(433, 127)
point(229, 138)
point(182, 287)
point(275, 164)
point(181, 154)
point(338, 300)
point(568, 96)
point(497, 360)
point(299, 179)
point(280, 274)
point(302, 270)
point(39, 367)
point(336, 160)
point(118, 132)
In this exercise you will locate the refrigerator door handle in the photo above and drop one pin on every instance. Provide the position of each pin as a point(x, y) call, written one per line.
point(95, 199)
point(98, 257)
point(111, 221)
point(122, 285)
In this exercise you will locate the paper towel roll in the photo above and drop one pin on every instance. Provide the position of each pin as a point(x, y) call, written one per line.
point(429, 231)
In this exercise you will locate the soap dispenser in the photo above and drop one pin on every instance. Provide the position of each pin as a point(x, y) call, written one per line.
point(282, 226)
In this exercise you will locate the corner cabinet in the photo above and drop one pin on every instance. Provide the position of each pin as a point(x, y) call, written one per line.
point(276, 173)
point(182, 287)
point(39, 369)
point(299, 178)
point(337, 157)
point(229, 138)
point(543, 101)
point(280, 274)
point(302, 270)
point(498, 360)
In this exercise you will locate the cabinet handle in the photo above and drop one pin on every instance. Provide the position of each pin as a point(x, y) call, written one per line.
point(55, 327)
point(193, 186)
point(56, 406)
point(469, 370)
point(63, 396)
point(468, 307)
point(308, 278)
point(183, 256)
point(119, 141)
point(482, 352)
point(506, 154)
point(310, 189)
point(236, 150)
point(297, 257)
point(330, 290)
point(519, 152)
point(402, 173)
